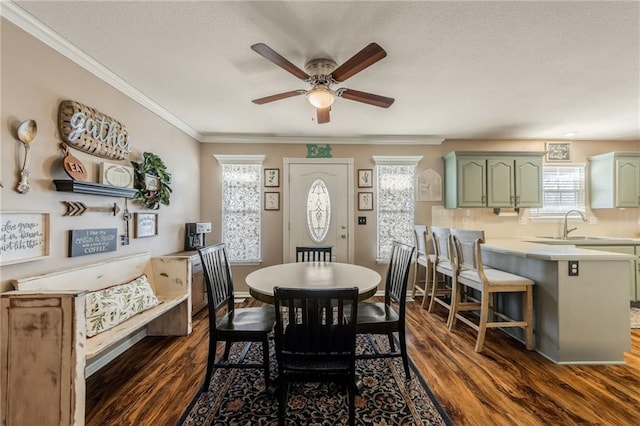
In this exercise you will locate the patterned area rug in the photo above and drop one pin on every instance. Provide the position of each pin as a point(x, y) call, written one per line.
point(237, 397)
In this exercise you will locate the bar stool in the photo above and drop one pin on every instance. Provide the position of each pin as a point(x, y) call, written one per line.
point(470, 272)
point(426, 261)
point(441, 293)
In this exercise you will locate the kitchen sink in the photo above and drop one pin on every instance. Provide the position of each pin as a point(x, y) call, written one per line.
point(574, 238)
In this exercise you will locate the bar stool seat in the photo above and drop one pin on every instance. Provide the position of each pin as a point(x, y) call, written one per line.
point(470, 272)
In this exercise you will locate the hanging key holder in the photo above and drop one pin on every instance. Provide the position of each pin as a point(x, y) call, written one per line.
point(126, 216)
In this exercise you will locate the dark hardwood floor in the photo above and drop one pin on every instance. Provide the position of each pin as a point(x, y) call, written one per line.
point(153, 382)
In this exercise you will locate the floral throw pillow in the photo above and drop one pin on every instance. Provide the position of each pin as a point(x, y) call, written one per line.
point(106, 308)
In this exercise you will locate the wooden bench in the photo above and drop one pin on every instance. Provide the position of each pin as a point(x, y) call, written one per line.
point(46, 355)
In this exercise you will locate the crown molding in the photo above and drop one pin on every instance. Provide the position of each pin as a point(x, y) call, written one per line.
point(18, 16)
point(21, 18)
point(335, 140)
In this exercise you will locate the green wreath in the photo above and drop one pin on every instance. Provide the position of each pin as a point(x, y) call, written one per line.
point(148, 194)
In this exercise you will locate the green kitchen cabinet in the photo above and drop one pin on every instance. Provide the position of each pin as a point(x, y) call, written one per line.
point(493, 179)
point(614, 180)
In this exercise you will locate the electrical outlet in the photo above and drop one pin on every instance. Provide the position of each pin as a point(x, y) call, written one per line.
point(573, 268)
point(593, 220)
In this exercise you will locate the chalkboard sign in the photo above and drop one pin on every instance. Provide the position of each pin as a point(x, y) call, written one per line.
point(24, 236)
point(92, 241)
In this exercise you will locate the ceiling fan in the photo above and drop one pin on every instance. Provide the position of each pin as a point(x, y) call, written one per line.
point(323, 73)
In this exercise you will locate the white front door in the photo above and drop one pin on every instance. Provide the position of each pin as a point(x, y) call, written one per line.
point(318, 203)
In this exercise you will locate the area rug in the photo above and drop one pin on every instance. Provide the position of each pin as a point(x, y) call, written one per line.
point(237, 397)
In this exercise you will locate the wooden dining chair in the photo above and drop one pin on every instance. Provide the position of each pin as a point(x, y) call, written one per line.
point(315, 339)
point(425, 260)
point(228, 324)
point(381, 317)
point(471, 273)
point(313, 254)
point(442, 277)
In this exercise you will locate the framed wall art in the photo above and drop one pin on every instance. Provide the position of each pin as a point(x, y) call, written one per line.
point(365, 200)
point(272, 177)
point(24, 236)
point(272, 201)
point(365, 178)
point(145, 224)
point(558, 151)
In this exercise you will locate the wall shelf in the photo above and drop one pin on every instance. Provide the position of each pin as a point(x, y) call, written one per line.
point(81, 187)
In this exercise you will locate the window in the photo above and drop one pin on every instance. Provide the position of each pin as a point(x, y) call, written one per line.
point(562, 190)
point(395, 201)
point(241, 206)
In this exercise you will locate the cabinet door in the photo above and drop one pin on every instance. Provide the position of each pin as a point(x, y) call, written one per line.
point(198, 291)
point(528, 177)
point(627, 182)
point(472, 182)
point(500, 182)
point(633, 283)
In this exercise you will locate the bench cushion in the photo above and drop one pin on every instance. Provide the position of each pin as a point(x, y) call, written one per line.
point(111, 306)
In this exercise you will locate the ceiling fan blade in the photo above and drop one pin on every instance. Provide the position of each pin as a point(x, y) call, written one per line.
point(371, 54)
point(367, 98)
point(277, 97)
point(270, 54)
point(323, 115)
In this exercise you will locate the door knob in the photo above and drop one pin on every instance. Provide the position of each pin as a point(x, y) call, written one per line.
point(343, 236)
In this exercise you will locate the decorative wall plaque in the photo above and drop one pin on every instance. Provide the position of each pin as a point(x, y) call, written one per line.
point(24, 236)
point(316, 151)
point(92, 241)
point(116, 175)
point(93, 132)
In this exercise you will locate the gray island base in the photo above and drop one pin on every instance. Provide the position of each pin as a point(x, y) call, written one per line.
point(581, 319)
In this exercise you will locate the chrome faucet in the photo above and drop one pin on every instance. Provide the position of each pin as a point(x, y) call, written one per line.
point(565, 232)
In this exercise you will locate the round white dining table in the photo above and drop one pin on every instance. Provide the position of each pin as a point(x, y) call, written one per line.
point(312, 275)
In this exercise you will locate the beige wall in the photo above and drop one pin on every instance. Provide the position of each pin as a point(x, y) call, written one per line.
point(34, 81)
point(614, 222)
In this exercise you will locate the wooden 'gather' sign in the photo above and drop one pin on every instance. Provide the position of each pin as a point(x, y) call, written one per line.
point(93, 132)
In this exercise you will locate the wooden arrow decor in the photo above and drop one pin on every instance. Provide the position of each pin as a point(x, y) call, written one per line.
point(76, 208)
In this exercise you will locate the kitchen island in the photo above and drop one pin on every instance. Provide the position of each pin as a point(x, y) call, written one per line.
point(581, 298)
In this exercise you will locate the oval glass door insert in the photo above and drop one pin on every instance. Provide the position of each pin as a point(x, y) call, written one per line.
point(318, 211)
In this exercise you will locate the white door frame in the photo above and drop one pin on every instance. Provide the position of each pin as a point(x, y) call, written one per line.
point(286, 235)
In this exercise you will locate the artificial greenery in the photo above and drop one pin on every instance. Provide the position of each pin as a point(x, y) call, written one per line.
point(152, 165)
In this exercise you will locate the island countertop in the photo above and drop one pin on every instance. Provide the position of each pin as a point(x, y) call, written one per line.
point(545, 251)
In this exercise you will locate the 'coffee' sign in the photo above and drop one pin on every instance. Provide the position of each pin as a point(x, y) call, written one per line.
point(91, 131)
point(92, 241)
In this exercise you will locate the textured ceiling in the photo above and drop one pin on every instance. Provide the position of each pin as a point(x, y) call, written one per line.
point(503, 70)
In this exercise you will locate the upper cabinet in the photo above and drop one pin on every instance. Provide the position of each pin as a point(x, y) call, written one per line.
point(493, 179)
point(614, 180)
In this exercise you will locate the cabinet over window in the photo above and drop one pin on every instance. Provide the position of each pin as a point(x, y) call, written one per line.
point(493, 179)
point(614, 180)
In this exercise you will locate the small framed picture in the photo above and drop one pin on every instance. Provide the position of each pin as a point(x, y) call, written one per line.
point(365, 178)
point(558, 151)
point(272, 201)
point(146, 225)
point(365, 200)
point(272, 177)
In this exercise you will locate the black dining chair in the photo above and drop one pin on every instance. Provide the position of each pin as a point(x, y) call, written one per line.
point(315, 339)
point(228, 324)
point(381, 317)
point(313, 254)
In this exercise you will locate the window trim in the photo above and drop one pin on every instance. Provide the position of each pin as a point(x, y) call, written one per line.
point(536, 215)
point(226, 159)
point(392, 160)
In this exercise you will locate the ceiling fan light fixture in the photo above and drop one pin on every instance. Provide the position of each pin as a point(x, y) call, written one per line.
point(321, 97)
